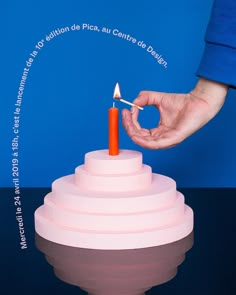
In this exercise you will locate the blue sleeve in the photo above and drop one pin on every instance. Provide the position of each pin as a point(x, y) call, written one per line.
point(219, 57)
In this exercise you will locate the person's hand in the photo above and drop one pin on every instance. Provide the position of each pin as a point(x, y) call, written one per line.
point(180, 114)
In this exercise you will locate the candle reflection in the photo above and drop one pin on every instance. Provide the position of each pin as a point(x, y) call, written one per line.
point(123, 272)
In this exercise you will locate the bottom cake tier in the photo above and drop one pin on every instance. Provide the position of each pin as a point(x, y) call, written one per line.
point(76, 237)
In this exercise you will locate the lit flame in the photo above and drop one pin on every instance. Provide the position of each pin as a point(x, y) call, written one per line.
point(117, 94)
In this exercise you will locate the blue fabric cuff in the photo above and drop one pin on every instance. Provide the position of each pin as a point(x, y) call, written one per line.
point(218, 64)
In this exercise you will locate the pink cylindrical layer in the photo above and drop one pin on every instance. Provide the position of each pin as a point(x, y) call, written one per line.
point(114, 183)
point(51, 231)
point(161, 193)
point(99, 162)
point(108, 222)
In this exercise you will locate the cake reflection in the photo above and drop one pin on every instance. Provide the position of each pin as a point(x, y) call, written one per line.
point(117, 272)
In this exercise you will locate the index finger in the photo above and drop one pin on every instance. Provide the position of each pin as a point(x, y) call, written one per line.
point(148, 98)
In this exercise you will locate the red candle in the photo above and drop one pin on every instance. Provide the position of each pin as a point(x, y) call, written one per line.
point(113, 115)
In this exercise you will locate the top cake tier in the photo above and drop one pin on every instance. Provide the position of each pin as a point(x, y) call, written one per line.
point(99, 162)
point(124, 172)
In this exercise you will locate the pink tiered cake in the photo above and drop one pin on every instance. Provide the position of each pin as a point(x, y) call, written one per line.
point(114, 202)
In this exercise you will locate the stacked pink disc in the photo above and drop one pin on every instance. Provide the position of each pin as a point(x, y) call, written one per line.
point(114, 202)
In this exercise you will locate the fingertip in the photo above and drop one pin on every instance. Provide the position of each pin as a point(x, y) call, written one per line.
point(148, 98)
point(142, 98)
point(127, 121)
point(125, 112)
point(144, 92)
point(133, 110)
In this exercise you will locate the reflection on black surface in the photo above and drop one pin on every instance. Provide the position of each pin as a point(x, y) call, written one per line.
point(123, 272)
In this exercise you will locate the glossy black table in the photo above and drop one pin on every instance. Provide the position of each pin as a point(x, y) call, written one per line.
point(208, 268)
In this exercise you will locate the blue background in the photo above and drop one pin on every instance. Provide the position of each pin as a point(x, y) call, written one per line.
point(70, 86)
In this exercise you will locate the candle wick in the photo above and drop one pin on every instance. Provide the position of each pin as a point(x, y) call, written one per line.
point(113, 104)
